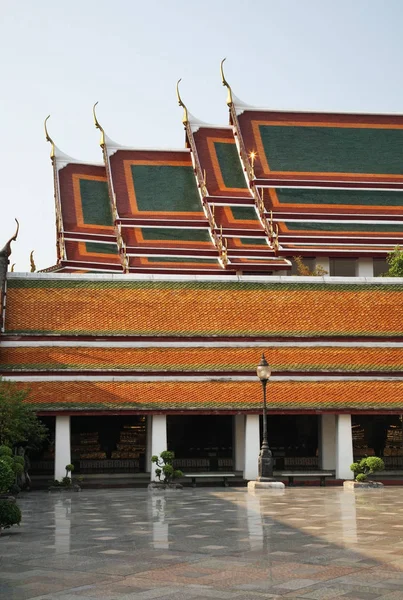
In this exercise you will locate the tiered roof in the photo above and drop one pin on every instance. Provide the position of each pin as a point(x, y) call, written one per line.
point(94, 342)
point(238, 198)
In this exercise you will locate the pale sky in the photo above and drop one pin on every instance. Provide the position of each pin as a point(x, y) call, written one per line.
point(61, 57)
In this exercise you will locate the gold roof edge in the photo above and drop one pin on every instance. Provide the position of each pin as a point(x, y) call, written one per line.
point(49, 139)
point(98, 125)
point(185, 118)
point(7, 248)
point(226, 84)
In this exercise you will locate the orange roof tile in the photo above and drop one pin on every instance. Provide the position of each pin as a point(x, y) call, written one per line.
point(215, 395)
point(174, 308)
point(201, 359)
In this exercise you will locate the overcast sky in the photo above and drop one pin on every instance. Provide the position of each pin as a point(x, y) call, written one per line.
point(61, 57)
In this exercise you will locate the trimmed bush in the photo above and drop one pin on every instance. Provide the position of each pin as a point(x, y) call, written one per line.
point(166, 468)
point(10, 514)
point(5, 451)
point(6, 476)
point(366, 467)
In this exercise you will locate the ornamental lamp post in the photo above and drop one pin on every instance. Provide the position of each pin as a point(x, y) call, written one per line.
point(265, 463)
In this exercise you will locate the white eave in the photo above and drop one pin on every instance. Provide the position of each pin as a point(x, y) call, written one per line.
point(196, 124)
point(62, 160)
point(241, 107)
point(112, 147)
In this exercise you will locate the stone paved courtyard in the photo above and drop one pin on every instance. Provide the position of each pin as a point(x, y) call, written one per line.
point(206, 543)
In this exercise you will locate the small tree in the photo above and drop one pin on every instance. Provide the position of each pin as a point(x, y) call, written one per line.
point(19, 424)
point(303, 269)
point(10, 513)
point(395, 262)
point(16, 464)
point(6, 476)
point(367, 466)
point(166, 468)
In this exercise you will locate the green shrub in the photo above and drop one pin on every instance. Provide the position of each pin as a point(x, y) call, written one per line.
point(374, 463)
point(8, 460)
point(367, 466)
point(6, 476)
point(5, 451)
point(165, 464)
point(10, 514)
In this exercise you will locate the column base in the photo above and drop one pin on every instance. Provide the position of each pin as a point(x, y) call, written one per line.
point(265, 485)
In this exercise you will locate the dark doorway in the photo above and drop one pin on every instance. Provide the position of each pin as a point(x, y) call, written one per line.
point(293, 440)
point(201, 442)
point(378, 435)
point(114, 444)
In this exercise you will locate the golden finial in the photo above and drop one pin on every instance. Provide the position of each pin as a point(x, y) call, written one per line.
point(252, 156)
point(185, 118)
point(7, 248)
point(31, 260)
point(276, 240)
point(225, 83)
point(12, 268)
point(49, 139)
point(98, 126)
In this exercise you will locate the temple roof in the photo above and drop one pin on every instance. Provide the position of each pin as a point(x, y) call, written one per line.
point(167, 360)
point(240, 198)
point(156, 342)
point(128, 306)
point(231, 396)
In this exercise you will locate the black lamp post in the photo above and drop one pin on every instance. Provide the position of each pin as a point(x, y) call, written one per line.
point(265, 456)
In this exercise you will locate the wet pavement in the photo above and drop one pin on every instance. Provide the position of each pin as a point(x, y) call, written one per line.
point(206, 543)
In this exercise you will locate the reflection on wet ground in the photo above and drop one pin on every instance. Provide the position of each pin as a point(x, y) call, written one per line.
point(310, 543)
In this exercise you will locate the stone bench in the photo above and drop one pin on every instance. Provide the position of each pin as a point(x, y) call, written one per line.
point(223, 476)
point(321, 475)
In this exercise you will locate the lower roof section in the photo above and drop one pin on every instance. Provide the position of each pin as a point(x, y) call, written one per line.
point(166, 360)
point(214, 396)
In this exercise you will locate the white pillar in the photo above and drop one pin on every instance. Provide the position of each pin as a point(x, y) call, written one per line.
point(158, 439)
point(149, 424)
point(239, 442)
point(365, 267)
point(327, 436)
point(62, 445)
point(344, 447)
point(252, 447)
point(324, 262)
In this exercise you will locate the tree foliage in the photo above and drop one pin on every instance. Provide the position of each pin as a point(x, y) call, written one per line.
point(303, 269)
point(10, 514)
point(7, 476)
point(367, 466)
point(166, 468)
point(395, 262)
point(19, 424)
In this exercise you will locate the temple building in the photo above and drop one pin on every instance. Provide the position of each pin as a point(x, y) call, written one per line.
point(176, 269)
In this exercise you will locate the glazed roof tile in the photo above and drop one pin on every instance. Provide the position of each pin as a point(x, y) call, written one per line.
point(208, 308)
point(322, 359)
point(325, 147)
point(206, 396)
